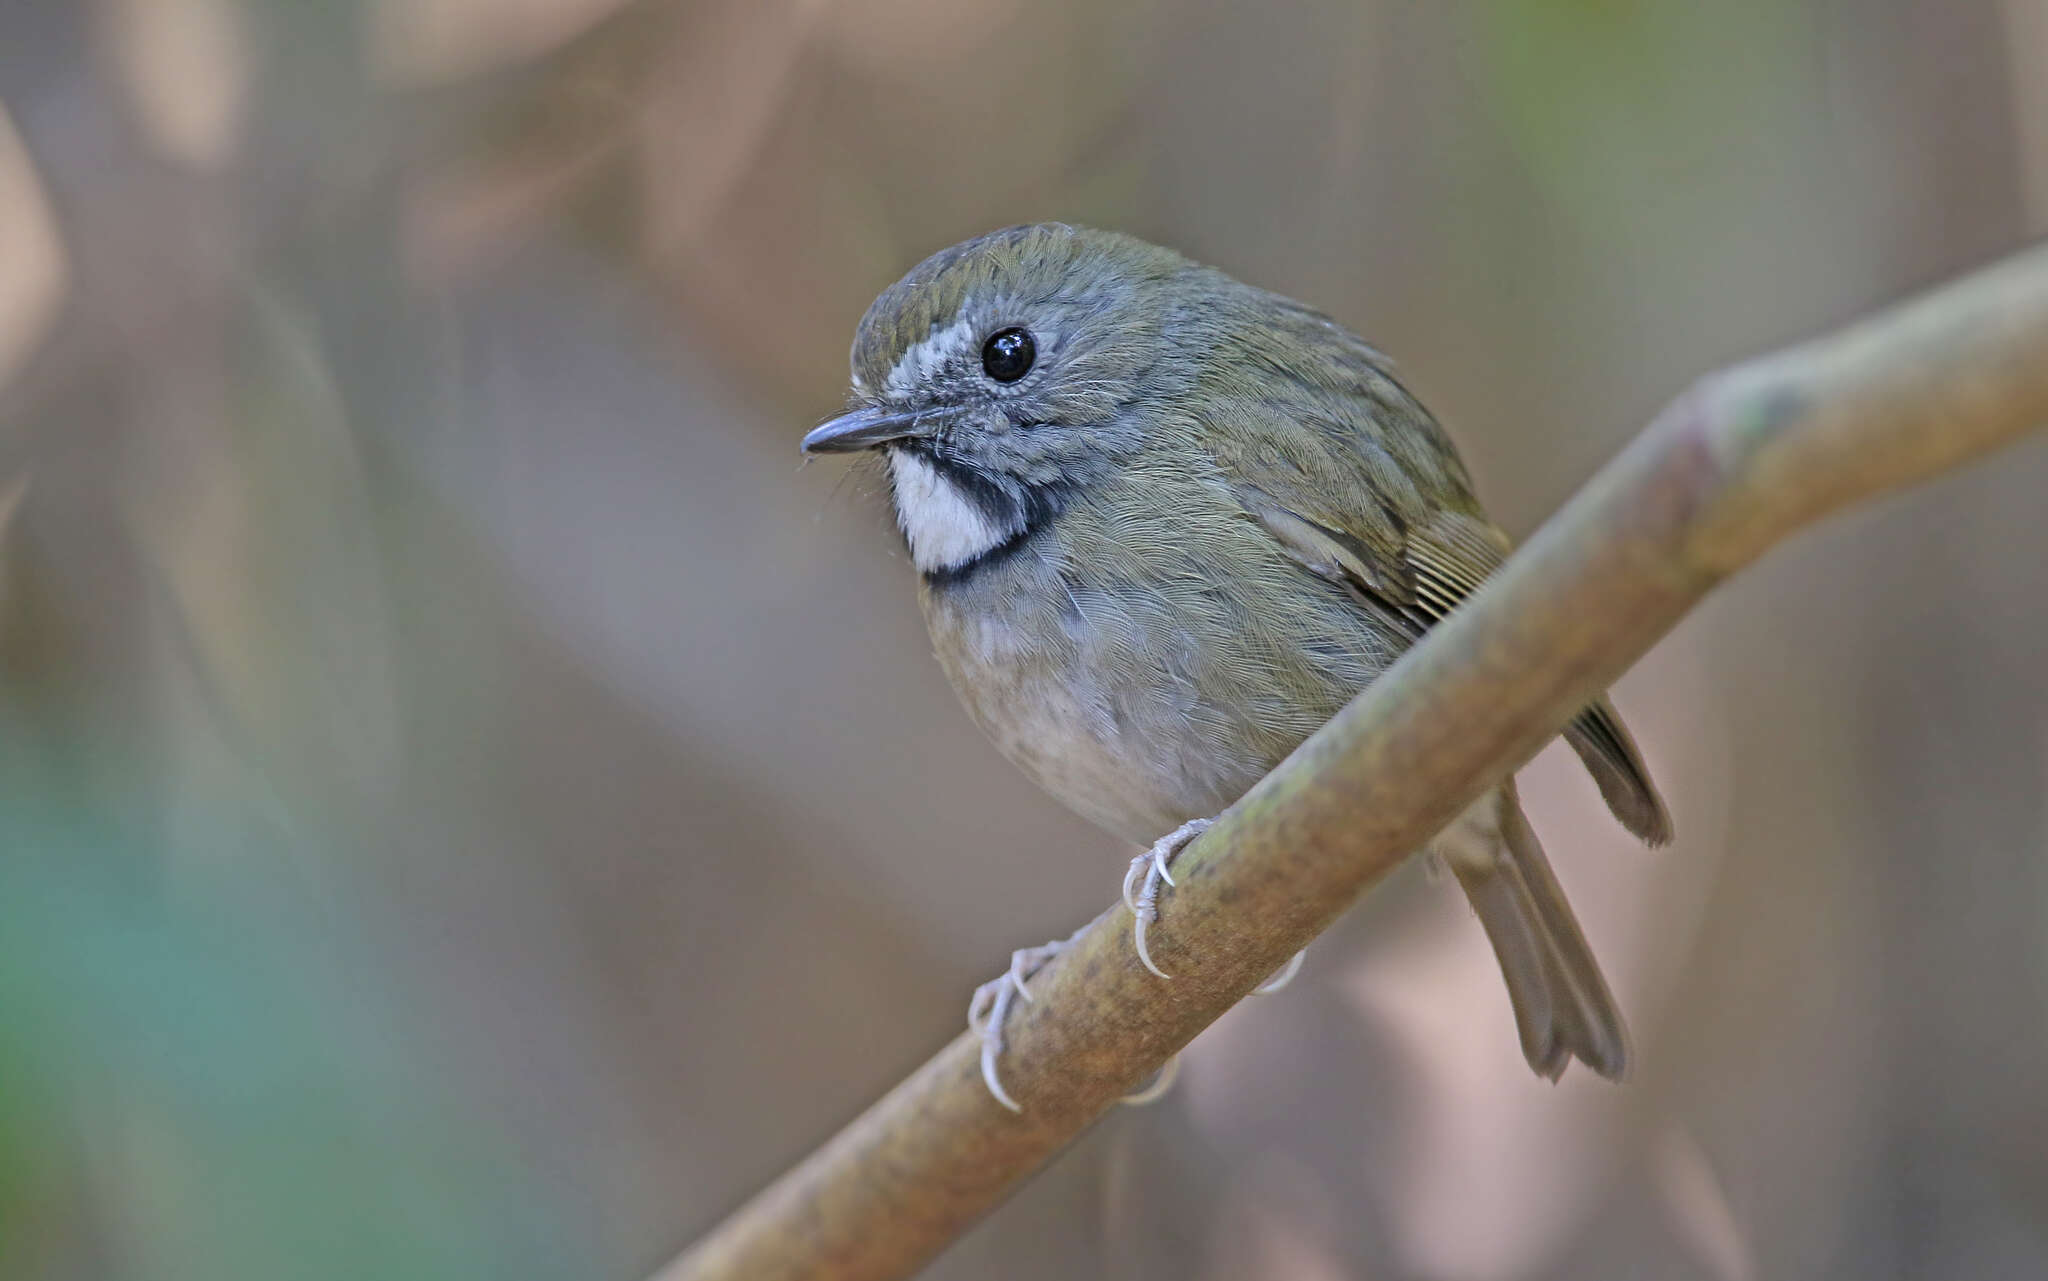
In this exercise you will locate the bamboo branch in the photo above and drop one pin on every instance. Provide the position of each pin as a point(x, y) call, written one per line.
point(1729, 469)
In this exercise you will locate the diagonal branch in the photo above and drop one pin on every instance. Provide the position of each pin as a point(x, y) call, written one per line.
point(1736, 464)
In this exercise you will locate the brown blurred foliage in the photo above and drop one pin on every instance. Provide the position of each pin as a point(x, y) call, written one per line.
point(472, 802)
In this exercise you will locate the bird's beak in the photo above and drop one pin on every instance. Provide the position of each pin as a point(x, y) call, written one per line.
point(862, 429)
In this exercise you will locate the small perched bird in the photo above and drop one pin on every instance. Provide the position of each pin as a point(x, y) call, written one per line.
point(1166, 524)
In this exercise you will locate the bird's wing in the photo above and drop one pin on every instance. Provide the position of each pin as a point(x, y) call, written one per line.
point(1357, 483)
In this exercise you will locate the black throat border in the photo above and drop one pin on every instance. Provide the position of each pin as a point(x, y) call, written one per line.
point(1023, 509)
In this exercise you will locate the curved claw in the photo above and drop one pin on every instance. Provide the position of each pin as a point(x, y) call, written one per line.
point(990, 1008)
point(1284, 977)
point(1161, 855)
point(992, 1047)
point(989, 1053)
point(1138, 937)
point(1155, 863)
point(1015, 977)
point(1160, 1084)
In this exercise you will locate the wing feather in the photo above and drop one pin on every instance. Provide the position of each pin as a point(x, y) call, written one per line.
point(1358, 484)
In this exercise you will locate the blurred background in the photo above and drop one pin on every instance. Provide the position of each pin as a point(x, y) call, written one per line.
point(472, 803)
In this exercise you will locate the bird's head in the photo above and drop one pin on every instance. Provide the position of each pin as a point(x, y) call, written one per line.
point(1003, 375)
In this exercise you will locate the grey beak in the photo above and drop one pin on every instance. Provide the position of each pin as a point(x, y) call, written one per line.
point(861, 429)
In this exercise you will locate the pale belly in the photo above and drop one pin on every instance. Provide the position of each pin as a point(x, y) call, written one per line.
point(1137, 736)
point(1123, 780)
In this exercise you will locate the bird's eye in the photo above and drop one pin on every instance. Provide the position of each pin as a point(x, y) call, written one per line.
point(1007, 355)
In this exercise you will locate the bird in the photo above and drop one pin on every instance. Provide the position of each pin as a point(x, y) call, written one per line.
point(1165, 524)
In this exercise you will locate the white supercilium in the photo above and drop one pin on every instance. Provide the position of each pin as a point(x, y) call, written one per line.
point(921, 362)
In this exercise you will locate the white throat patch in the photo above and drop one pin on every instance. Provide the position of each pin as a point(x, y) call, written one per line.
point(945, 528)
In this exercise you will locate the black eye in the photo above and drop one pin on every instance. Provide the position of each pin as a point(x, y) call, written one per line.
point(1007, 355)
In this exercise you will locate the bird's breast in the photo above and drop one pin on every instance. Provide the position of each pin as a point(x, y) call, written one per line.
point(1140, 693)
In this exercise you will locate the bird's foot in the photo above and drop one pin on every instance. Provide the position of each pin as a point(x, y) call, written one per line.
point(1141, 894)
point(1148, 872)
point(990, 1008)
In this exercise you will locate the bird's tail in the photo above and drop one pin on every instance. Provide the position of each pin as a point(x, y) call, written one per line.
point(1562, 1006)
